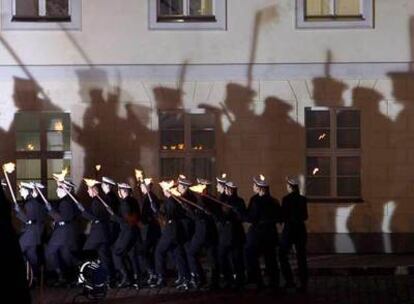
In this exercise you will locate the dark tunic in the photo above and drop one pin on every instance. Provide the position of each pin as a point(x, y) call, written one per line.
point(99, 218)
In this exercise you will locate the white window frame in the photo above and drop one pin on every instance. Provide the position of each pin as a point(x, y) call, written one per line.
point(219, 12)
point(365, 20)
point(8, 10)
point(333, 152)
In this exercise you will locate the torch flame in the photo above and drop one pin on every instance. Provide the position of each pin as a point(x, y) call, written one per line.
point(58, 126)
point(262, 177)
point(9, 167)
point(90, 182)
point(322, 136)
point(175, 192)
point(198, 188)
point(166, 185)
point(224, 175)
point(139, 175)
point(315, 171)
point(147, 180)
point(98, 167)
point(60, 177)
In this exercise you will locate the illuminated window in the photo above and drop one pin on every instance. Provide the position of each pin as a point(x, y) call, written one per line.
point(335, 13)
point(42, 147)
point(333, 161)
point(188, 14)
point(187, 144)
point(41, 14)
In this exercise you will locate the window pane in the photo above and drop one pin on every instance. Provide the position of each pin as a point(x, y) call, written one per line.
point(27, 121)
point(27, 8)
point(318, 138)
point(172, 167)
point(202, 121)
point(172, 140)
point(28, 141)
point(171, 121)
point(317, 118)
point(202, 168)
point(51, 189)
point(349, 186)
point(201, 7)
point(170, 7)
point(57, 121)
point(202, 131)
point(348, 119)
point(318, 166)
point(348, 166)
point(57, 8)
point(348, 138)
point(318, 186)
point(348, 7)
point(56, 166)
point(58, 141)
point(318, 7)
point(172, 131)
point(28, 169)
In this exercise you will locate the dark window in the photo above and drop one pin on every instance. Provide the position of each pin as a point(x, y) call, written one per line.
point(41, 10)
point(333, 158)
point(186, 10)
point(187, 144)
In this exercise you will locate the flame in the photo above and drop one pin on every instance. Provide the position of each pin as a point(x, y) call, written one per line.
point(30, 147)
point(198, 188)
point(147, 180)
point(224, 175)
point(9, 167)
point(166, 185)
point(60, 177)
point(164, 147)
point(139, 175)
point(58, 126)
point(262, 177)
point(315, 171)
point(90, 182)
point(98, 167)
point(180, 146)
point(173, 147)
point(322, 136)
point(182, 176)
point(175, 192)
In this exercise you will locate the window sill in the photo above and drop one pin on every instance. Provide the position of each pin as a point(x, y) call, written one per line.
point(186, 19)
point(41, 19)
point(334, 200)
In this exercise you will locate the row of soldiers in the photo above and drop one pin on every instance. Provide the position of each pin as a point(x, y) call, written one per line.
point(133, 240)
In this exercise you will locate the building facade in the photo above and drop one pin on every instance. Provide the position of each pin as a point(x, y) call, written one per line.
point(321, 89)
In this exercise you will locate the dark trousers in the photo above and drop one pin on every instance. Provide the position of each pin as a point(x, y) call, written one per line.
point(103, 251)
point(258, 244)
point(193, 251)
point(299, 241)
point(60, 257)
point(31, 254)
point(147, 251)
point(231, 261)
point(166, 245)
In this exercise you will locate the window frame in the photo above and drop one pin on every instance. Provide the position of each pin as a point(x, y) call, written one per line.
point(366, 20)
point(333, 153)
point(43, 154)
point(11, 22)
point(217, 21)
point(188, 154)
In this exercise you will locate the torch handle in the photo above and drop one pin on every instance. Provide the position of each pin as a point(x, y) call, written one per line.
point(111, 212)
point(10, 187)
point(190, 203)
point(47, 203)
point(74, 199)
point(217, 201)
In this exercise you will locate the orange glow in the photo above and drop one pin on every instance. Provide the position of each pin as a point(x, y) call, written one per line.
point(262, 177)
point(9, 167)
point(198, 188)
point(60, 177)
point(98, 167)
point(30, 147)
point(90, 182)
point(139, 175)
point(315, 171)
point(58, 126)
point(173, 147)
point(180, 146)
point(166, 185)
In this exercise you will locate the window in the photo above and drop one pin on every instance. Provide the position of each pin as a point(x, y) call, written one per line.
point(187, 144)
point(42, 147)
point(188, 14)
point(333, 162)
point(335, 13)
point(41, 14)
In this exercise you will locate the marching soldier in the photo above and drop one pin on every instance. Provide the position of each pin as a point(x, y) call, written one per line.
point(263, 213)
point(221, 186)
point(151, 230)
point(204, 237)
point(63, 242)
point(232, 238)
point(111, 198)
point(173, 238)
point(99, 239)
point(33, 216)
point(294, 216)
point(124, 248)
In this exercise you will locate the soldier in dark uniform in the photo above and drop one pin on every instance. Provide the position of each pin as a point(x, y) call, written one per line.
point(13, 279)
point(98, 240)
point(33, 216)
point(221, 186)
point(173, 238)
point(151, 230)
point(124, 249)
point(205, 235)
point(263, 213)
point(63, 243)
point(232, 238)
point(111, 198)
point(294, 216)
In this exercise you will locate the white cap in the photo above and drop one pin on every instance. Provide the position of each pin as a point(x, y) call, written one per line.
point(26, 185)
point(231, 184)
point(108, 181)
point(292, 180)
point(124, 186)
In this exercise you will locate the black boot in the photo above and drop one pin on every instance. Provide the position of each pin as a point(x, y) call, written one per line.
point(195, 281)
point(160, 283)
point(123, 281)
point(184, 285)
